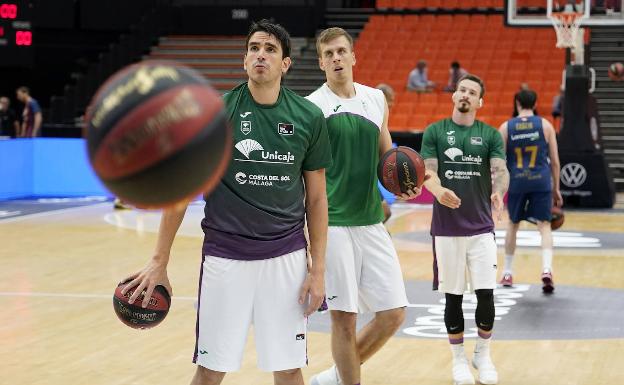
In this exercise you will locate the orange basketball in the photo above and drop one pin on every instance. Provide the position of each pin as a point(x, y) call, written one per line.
point(137, 317)
point(158, 134)
point(557, 218)
point(616, 71)
point(401, 169)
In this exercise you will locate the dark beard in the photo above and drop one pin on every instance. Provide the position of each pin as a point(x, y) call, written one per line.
point(463, 108)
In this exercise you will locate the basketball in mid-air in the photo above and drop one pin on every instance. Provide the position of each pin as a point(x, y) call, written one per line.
point(157, 134)
point(557, 218)
point(401, 169)
point(616, 71)
point(136, 316)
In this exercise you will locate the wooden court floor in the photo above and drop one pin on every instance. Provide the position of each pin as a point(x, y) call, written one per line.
point(57, 326)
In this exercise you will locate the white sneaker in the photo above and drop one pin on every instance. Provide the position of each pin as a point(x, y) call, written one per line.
point(326, 377)
point(461, 372)
point(487, 372)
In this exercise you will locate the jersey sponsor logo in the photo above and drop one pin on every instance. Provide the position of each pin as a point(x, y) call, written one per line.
point(573, 175)
point(450, 140)
point(531, 136)
point(454, 152)
point(260, 179)
point(337, 107)
point(524, 125)
point(285, 128)
point(245, 126)
point(241, 177)
point(476, 141)
point(458, 174)
point(247, 146)
point(450, 132)
point(245, 114)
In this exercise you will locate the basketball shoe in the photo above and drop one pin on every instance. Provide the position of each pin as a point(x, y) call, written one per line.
point(487, 371)
point(548, 286)
point(326, 377)
point(507, 280)
point(461, 372)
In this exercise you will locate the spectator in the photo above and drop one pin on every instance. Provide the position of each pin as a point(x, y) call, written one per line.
point(9, 125)
point(31, 116)
point(455, 73)
point(418, 80)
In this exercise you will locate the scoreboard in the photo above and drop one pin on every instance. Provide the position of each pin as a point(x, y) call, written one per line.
point(16, 33)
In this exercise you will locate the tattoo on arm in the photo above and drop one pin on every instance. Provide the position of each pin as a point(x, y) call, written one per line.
point(431, 164)
point(500, 177)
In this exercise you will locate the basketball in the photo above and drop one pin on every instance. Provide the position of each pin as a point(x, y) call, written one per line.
point(401, 169)
point(137, 317)
point(616, 71)
point(557, 218)
point(157, 134)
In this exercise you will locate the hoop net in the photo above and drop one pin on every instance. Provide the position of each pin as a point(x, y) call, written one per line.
point(567, 26)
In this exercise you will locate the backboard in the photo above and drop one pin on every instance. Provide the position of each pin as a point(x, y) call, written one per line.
point(534, 13)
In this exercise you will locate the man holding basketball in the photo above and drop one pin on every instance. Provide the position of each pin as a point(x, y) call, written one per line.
point(254, 267)
point(533, 162)
point(363, 271)
point(466, 163)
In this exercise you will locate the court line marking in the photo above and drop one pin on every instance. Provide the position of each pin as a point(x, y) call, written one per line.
point(71, 295)
point(51, 212)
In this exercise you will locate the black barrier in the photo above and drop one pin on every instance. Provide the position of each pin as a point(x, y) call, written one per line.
point(586, 180)
point(408, 139)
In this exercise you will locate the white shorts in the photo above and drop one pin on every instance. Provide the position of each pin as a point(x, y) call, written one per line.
point(235, 294)
point(458, 257)
point(363, 273)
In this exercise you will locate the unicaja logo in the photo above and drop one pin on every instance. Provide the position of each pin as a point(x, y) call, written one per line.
point(247, 146)
point(573, 175)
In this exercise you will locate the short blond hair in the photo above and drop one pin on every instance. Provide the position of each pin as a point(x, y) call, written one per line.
point(330, 34)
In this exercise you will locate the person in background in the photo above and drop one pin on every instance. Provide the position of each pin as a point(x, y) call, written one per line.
point(9, 125)
point(418, 80)
point(31, 115)
point(456, 72)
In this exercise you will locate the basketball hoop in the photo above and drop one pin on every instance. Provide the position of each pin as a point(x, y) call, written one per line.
point(567, 26)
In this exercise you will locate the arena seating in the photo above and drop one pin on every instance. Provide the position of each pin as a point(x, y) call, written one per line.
point(390, 45)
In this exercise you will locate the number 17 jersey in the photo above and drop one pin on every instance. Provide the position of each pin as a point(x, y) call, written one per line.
point(527, 155)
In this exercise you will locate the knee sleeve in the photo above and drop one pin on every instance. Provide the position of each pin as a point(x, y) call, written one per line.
point(453, 314)
point(484, 316)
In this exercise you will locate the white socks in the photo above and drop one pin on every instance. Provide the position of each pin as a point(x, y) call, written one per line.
point(547, 257)
point(508, 262)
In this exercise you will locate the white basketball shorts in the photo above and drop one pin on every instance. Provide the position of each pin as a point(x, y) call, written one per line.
point(463, 260)
point(363, 273)
point(235, 294)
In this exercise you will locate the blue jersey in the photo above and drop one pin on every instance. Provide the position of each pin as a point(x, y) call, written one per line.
point(527, 155)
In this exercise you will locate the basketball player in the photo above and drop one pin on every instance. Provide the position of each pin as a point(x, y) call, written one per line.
point(31, 115)
point(533, 162)
point(467, 160)
point(363, 272)
point(254, 267)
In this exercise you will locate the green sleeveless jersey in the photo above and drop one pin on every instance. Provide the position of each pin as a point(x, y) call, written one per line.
point(353, 126)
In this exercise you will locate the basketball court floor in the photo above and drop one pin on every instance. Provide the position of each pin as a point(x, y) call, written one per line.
point(61, 260)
